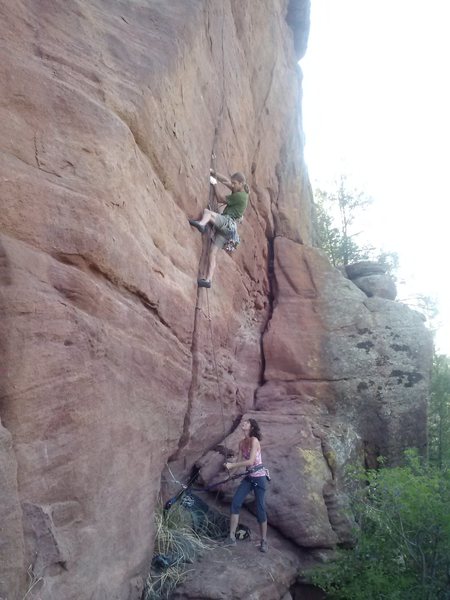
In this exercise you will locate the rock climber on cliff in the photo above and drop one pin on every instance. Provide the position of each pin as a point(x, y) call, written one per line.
point(225, 223)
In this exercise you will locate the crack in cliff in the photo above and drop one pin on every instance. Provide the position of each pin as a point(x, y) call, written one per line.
point(36, 152)
point(328, 490)
point(195, 353)
point(311, 277)
point(233, 127)
point(269, 89)
point(184, 438)
point(271, 301)
point(82, 263)
point(36, 158)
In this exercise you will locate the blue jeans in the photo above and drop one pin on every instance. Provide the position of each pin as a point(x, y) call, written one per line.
point(258, 485)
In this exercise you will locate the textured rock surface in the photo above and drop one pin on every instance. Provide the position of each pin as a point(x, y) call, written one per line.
point(372, 279)
point(363, 268)
point(244, 572)
point(367, 360)
point(110, 113)
point(12, 549)
point(382, 286)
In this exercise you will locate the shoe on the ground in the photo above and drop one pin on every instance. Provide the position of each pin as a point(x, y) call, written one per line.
point(263, 546)
point(229, 542)
point(204, 283)
point(197, 225)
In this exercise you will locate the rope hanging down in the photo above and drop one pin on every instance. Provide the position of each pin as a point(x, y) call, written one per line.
point(188, 487)
point(213, 205)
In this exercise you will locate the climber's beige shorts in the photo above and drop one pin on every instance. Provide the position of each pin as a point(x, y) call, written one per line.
point(219, 239)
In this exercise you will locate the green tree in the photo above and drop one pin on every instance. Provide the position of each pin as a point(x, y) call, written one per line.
point(336, 213)
point(403, 541)
point(439, 412)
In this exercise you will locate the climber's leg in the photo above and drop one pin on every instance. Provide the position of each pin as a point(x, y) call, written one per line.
point(211, 265)
point(208, 217)
point(212, 261)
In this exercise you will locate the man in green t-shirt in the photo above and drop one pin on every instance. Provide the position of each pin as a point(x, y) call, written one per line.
point(224, 223)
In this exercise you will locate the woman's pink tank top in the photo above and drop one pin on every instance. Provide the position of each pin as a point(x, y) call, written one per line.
point(257, 461)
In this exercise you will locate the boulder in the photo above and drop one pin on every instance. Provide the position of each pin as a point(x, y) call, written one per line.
point(380, 284)
point(363, 268)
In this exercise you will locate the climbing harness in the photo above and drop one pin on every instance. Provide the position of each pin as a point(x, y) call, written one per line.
point(229, 230)
point(231, 246)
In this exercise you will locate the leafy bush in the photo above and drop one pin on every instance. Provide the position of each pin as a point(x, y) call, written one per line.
point(403, 541)
point(439, 412)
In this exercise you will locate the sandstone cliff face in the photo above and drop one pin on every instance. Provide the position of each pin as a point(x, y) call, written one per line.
point(110, 114)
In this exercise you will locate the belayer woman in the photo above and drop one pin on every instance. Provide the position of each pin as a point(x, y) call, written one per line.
point(250, 458)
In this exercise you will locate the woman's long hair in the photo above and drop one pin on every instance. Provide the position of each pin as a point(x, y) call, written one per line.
point(254, 429)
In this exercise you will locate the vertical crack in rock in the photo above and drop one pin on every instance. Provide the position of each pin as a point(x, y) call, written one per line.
point(39, 163)
point(272, 294)
point(329, 490)
point(271, 298)
point(193, 388)
point(41, 531)
point(311, 275)
point(36, 152)
point(5, 280)
point(269, 89)
point(210, 36)
point(334, 496)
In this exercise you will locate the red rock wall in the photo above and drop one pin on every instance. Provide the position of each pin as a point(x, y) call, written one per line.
point(110, 112)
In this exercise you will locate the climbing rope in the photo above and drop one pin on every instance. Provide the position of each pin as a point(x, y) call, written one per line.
point(213, 205)
point(215, 363)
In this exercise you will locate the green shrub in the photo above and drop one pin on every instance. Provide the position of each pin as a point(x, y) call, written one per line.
point(403, 540)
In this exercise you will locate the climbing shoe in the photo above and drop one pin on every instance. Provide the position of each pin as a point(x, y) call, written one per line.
point(263, 546)
point(204, 283)
point(197, 225)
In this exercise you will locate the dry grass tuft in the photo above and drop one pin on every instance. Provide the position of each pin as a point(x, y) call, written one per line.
point(179, 544)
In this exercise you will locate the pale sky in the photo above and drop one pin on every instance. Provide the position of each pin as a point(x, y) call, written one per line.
point(376, 107)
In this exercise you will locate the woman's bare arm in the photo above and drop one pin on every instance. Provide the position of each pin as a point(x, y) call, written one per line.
point(244, 463)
